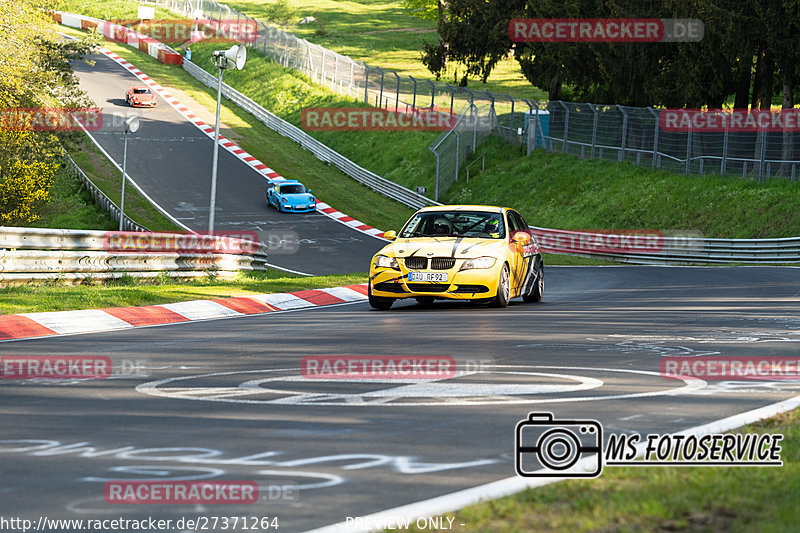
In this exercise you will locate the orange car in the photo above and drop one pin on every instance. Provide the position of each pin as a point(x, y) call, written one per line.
point(140, 97)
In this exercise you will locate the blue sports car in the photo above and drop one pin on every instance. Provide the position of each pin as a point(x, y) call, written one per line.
point(290, 196)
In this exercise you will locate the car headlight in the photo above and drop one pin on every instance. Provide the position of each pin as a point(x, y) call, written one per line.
point(382, 261)
point(480, 262)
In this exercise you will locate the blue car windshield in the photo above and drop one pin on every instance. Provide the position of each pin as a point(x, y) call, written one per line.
point(477, 224)
point(295, 188)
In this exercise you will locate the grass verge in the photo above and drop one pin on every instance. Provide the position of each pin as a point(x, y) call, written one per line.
point(130, 291)
point(71, 206)
point(659, 499)
point(562, 191)
point(378, 32)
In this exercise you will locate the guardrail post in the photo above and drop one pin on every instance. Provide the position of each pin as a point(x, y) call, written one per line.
point(352, 74)
point(566, 124)
point(366, 83)
point(763, 155)
point(724, 163)
point(511, 123)
point(594, 128)
point(397, 92)
point(322, 68)
point(688, 149)
point(452, 95)
point(380, 94)
point(458, 152)
point(433, 94)
point(655, 136)
point(414, 97)
point(621, 153)
point(436, 186)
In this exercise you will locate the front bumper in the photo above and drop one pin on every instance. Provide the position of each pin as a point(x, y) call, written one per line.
point(297, 209)
point(470, 284)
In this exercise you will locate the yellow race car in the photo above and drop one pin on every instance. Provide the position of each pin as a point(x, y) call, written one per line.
point(458, 252)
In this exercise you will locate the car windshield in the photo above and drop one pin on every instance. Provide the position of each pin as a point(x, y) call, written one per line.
point(141, 91)
point(479, 224)
point(293, 189)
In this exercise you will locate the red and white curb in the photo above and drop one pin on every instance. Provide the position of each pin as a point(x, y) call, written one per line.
point(233, 148)
point(28, 325)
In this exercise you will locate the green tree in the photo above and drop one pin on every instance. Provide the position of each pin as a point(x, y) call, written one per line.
point(34, 72)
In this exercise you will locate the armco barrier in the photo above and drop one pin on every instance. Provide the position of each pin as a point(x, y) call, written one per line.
point(321, 151)
point(100, 197)
point(678, 249)
point(275, 123)
point(37, 254)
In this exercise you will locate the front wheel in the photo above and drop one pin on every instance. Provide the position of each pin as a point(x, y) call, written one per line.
point(377, 302)
point(503, 289)
point(537, 293)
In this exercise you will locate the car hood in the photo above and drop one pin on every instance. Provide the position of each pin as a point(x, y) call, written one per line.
point(298, 198)
point(459, 247)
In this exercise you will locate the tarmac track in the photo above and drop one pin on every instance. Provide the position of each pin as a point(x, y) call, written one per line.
point(224, 399)
point(170, 159)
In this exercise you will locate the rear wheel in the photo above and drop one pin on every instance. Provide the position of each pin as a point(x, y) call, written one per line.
point(377, 302)
point(537, 293)
point(503, 289)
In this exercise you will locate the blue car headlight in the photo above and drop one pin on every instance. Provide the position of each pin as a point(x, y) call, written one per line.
point(382, 261)
point(479, 262)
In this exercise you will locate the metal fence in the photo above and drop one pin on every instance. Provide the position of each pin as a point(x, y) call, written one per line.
point(454, 146)
point(320, 150)
point(634, 134)
point(378, 87)
point(100, 198)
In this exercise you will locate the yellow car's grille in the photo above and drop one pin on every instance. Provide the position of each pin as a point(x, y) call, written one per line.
point(442, 263)
point(416, 263)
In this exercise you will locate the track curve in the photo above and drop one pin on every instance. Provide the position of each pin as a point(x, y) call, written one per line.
point(590, 350)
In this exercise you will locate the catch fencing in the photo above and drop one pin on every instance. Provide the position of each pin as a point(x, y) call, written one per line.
point(634, 134)
point(28, 254)
point(487, 112)
point(320, 150)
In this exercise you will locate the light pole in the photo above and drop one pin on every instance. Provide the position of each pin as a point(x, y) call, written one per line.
point(234, 57)
point(131, 125)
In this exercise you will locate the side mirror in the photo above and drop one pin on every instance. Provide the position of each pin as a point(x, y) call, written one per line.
point(308, 191)
point(522, 238)
point(390, 235)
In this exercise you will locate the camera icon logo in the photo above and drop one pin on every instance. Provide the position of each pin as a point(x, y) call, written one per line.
point(545, 447)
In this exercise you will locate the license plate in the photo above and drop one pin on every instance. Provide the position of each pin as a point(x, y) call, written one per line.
point(436, 277)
